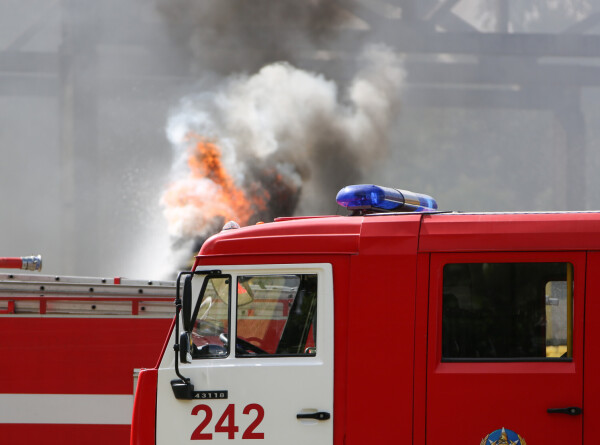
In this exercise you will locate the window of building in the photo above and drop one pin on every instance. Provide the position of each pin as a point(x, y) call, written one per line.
point(507, 311)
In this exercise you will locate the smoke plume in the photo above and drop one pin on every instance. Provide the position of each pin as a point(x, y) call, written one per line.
point(280, 141)
point(227, 36)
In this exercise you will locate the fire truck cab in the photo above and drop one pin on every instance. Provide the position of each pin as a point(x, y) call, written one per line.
point(418, 327)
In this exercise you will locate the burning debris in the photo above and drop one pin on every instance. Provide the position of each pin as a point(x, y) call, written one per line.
point(266, 145)
point(199, 204)
point(208, 193)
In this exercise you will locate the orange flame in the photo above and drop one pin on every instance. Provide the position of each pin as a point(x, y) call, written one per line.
point(210, 190)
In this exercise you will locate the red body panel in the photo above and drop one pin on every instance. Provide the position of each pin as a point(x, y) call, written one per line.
point(143, 432)
point(519, 232)
point(420, 355)
point(289, 237)
point(50, 434)
point(381, 331)
point(591, 382)
point(78, 354)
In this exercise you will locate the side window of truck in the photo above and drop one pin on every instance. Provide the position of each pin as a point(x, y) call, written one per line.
point(211, 320)
point(507, 311)
point(276, 315)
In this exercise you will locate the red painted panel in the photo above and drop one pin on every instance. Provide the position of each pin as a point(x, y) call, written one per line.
point(341, 282)
point(64, 434)
point(510, 232)
point(310, 236)
point(381, 332)
point(420, 353)
point(46, 355)
point(591, 398)
point(143, 425)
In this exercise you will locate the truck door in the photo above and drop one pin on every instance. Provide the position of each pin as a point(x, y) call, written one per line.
point(262, 360)
point(505, 353)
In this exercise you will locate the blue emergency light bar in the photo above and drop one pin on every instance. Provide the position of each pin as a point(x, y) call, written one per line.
point(368, 198)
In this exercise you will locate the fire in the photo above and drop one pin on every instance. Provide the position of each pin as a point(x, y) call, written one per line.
point(209, 194)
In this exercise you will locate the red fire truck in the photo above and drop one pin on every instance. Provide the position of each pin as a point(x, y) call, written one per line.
point(409, 327)
point(69, 349)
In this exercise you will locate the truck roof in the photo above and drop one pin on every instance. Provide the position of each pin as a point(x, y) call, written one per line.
point(460, 232)
point(431, 232)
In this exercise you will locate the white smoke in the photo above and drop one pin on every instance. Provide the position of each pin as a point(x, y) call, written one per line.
point(295, 122)
point(277, 110)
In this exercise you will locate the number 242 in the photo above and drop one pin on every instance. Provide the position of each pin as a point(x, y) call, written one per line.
point(226, 423)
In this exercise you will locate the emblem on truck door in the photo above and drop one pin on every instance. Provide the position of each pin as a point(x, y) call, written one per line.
point(503, 437)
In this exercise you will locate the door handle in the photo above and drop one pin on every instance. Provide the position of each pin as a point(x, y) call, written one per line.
point(571, 410)
point(321, 415)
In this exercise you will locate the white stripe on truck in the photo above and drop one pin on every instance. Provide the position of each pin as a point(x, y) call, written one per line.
point(88, 409)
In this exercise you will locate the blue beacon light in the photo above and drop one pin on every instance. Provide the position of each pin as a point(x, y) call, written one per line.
point(369, 198)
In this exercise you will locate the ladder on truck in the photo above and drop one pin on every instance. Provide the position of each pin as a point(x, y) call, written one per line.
point(27, 294)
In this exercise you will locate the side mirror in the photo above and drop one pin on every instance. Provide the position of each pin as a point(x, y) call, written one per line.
point(186, 304)
point(185, 348)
